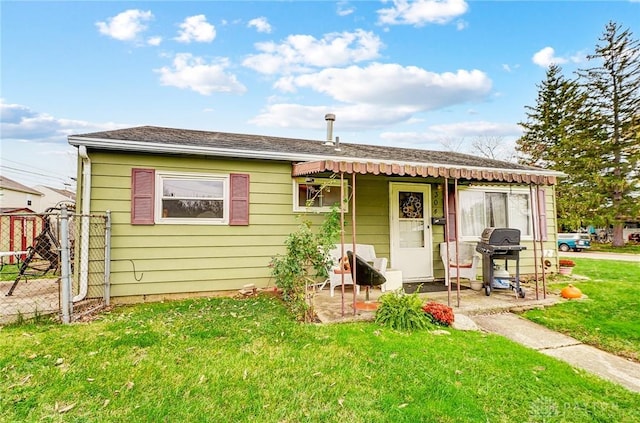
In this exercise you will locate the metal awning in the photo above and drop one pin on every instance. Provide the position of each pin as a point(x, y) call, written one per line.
point(436, 171)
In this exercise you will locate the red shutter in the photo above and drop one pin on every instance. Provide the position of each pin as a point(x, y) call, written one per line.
point(239, 207)
point(451, 218)
point(542, 217)
point(143, 183)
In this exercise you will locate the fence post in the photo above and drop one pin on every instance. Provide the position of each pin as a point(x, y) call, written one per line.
point(107, 259)
point(65, 267)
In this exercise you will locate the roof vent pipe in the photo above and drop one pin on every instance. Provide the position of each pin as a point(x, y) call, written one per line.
point(337, 144)
point(330, 118)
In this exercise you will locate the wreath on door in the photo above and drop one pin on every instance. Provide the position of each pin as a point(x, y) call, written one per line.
point(412, 207)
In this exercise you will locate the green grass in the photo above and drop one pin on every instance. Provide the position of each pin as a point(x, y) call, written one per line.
point(8, 272)
point(247, 360)
point(609, 318)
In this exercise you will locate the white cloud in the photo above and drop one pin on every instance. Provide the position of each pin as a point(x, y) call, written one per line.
point(300, 53)
point(546, 57)
point(125, 26)
point(20, 122)
point(196, 28)
point(422, 12)
point(154, 41)
point(476, 129)
point(35, 148)
point(261, 24)
point(196, 74)
point(352, 117)
point(374, 96)
point(344, 8)
point(457, 135)
point(394, 85)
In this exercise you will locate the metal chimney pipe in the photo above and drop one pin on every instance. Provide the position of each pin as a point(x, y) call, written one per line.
point(330, 118)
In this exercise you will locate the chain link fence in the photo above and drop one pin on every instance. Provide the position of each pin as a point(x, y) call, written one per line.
point(54, 264)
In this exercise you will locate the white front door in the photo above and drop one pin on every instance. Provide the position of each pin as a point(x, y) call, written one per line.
point(411, 230)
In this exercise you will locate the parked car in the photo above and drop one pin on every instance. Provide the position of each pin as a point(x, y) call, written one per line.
point(635, 236)
point(573, 241)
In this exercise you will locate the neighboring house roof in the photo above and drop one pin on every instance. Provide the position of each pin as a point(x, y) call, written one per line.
point(10, 184)
point(322, 155)
point(6, 210)
point(64, 192)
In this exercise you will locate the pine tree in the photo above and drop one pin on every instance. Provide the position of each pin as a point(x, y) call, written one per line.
point(548, 121)
point(555, 132)
point(613, 89)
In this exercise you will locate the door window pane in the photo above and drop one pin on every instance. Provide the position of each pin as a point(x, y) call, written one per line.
point(411, 233)
point(411, 219)
point(411, 205)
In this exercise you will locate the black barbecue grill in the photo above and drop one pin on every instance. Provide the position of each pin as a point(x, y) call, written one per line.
point(500, 244)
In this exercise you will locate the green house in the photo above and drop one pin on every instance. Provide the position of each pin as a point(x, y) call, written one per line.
point(199, 213)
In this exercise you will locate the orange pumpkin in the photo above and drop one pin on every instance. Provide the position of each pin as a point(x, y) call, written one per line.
point(570, 292)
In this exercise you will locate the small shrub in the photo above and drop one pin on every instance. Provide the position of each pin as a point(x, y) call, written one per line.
point(305, 263)
point(439, 314)
point(401, 311)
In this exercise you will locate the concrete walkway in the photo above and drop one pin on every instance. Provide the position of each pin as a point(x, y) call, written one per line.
point(608, 366)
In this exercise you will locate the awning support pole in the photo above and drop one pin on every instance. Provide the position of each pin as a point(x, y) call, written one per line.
point(353, 237)
point(342, 236)
point(446, 239)
point(535, 223)
point(544, 277)
point(455, 212)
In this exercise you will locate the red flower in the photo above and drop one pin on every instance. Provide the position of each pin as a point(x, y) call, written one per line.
point(567, 263)
point(440, 314)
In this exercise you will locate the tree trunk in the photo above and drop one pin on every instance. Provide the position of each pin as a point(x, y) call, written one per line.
point(618, 238)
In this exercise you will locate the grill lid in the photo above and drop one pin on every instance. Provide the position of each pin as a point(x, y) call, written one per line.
point(501, 236)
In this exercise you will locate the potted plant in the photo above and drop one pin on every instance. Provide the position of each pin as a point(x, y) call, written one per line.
point(566, 266)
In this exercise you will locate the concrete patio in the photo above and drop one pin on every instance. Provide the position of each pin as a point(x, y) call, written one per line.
point(329, 309)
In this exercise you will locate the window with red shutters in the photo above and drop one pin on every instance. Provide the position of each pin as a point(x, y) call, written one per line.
point(142, 196)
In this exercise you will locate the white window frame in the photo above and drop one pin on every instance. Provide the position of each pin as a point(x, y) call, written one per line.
point(498, 189)
point(332, 182)
point(161, 176)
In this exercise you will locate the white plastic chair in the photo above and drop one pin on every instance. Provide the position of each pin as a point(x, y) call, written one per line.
point(469, 259)
point(366, 251)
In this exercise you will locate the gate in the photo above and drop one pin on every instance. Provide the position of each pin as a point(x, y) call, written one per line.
point(53, 264)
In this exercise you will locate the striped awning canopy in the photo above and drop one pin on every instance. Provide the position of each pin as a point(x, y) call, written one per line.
point(404, 169)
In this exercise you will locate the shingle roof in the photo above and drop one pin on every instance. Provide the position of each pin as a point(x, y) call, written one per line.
point(10, 184)
point(158, 139)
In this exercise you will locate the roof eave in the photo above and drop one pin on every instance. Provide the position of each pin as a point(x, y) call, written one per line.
point(149, 147)
point(319, 160)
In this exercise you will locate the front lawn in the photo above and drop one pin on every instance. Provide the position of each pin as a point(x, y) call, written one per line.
point(609, 316)
point(247, 360)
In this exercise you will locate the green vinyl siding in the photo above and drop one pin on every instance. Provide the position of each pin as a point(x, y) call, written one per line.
point(183, 258)
point(189, 258)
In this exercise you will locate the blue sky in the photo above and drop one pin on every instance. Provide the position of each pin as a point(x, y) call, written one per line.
point(432, 74)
